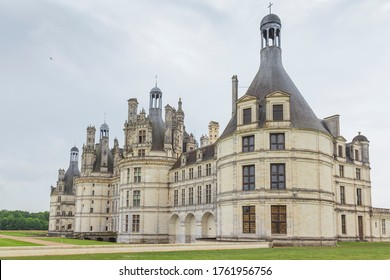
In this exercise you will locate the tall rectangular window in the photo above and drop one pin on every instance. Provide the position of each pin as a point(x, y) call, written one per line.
point(191, 173)
point(248, 144)
point(383, 226)
point(199, 194)
point(137, 174)
point(191, 196)
point(342, 194)
point(340, 151)
point(136, 198)
point(248, 178)
point(278, 219)
point(208, 169)
point(343, 225)
point(358, 176)
point(176, 176)
point(183, 175)
point(248, 219)
point(142, 136)
point(135, 223)
point(208, 194)
point(276, 141)
point(183, 197)
point(127, 198)
point(128, 175)
point(359, 196)
point(247, 116)
point(277, 111)
point(278, 176)
point(357, 155)
point(175, 197)
point(127, 223)
point(341, 170)
point(199, 171)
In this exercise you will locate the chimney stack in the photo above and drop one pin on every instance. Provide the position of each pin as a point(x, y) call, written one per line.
point(234, 93)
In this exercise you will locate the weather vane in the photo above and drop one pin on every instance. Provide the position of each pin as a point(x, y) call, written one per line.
point(269, 6)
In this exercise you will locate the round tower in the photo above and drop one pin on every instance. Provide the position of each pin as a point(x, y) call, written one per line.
point(275, 159)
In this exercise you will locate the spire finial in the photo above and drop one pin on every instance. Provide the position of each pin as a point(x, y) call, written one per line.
point(269, 6)
point(359, 132)
point(156, 80)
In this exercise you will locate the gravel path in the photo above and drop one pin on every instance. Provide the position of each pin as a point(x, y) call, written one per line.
point(55, 248)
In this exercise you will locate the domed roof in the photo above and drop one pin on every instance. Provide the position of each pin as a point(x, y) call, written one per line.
point(155, 90)
point(74, 149)
point(360, 138)
point(271, 18)
point(104, 126)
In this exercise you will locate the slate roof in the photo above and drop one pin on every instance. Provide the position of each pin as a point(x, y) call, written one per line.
point(208, 152)
point(272, 77)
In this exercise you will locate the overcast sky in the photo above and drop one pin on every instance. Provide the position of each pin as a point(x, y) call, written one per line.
point(105, 52)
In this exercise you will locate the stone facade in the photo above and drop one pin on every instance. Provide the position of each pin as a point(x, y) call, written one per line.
point(277, 173)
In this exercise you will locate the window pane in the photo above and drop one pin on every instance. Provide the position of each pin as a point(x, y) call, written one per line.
point(247, 116)
point(277, 112)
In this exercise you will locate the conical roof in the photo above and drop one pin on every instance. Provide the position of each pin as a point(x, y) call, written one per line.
point(73, 171)
point(272, 77)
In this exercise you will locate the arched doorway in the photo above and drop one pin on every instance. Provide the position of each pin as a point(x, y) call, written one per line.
point(190, 228)
point(208, 226)
point(174, 229)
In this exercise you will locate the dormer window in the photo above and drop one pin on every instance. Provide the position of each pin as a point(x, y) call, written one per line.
point(340, 150)
point(277, 112)
point(247, 116)
point(357, 155)
point(247, 112)
point(199, 155)
point(183, 159)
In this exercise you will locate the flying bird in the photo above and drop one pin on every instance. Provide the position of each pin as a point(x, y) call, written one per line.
point(51, 58)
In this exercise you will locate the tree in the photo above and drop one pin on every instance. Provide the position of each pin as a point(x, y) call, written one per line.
point(23, 220)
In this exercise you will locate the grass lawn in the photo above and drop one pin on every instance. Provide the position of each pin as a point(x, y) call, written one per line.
point(77, 241)
point(344, 251)
point(24, 233)
point(6, 242)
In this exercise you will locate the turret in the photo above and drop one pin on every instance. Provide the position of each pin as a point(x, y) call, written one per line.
point(73, 171)
point(213, 131)
point(104, 147)
point(365, 157)
point(90, 141)
point(89, 153)
point(132, 109)
point(155, 102)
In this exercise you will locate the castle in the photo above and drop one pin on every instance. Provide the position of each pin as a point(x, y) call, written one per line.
point(277, 173)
